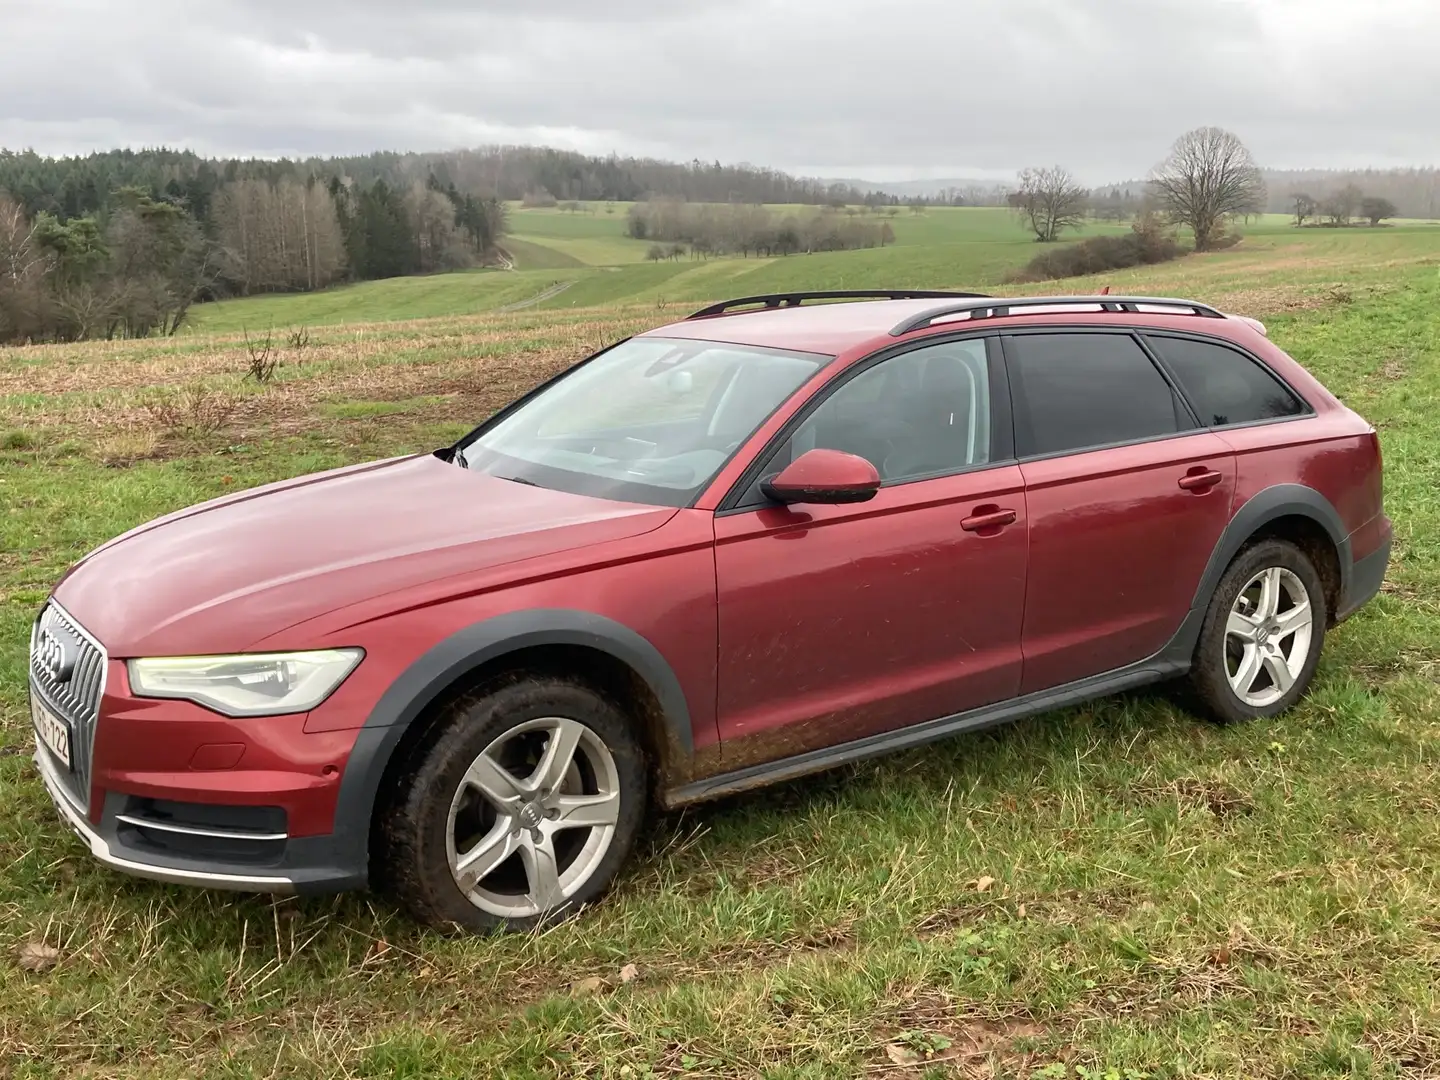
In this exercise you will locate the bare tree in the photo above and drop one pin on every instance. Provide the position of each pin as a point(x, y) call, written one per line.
point(1341, 205)
point(23, 266)
point(1304, 209)
point(1208, 177)
point(1050, 201)
point(280, 236)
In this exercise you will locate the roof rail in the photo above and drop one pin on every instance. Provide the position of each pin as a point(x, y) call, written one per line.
point(795, 299)
point(979, 309)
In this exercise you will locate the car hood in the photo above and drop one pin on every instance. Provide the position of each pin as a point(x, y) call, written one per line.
point(222, 575)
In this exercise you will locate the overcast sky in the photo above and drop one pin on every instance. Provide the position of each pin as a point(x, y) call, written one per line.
point(894, 90)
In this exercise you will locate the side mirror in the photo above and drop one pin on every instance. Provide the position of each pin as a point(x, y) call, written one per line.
point(824, 476)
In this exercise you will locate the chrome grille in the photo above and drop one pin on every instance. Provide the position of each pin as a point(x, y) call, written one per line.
point(72, 690)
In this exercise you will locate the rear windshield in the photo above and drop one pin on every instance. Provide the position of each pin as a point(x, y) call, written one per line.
point(650, 421)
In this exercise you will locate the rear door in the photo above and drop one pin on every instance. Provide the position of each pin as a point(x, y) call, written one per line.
point(1127, 497)
point(840, 622)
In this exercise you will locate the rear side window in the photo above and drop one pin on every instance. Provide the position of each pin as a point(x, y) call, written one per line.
point(1076, 391)
point(1225, 386)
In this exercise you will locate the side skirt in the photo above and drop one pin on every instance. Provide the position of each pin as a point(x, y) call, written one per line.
point(1166, 664)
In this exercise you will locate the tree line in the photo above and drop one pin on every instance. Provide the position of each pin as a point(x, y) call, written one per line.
point(133, 275)
point(1341, 207)
point(706, 229)
point(73, 186)
point(1414, 193)
point(124, 242)
point(136, 264)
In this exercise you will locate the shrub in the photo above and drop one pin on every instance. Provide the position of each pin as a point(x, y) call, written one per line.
point(263, 359)
point(1148, 243)
point(192, 411)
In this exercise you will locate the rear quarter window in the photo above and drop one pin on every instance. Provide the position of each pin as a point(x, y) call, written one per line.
point(1225, 386)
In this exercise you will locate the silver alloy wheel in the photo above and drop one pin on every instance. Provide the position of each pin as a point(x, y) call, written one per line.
point(1267, 636)
point(533, 817)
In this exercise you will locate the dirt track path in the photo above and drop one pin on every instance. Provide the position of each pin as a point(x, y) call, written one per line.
point(554, 290)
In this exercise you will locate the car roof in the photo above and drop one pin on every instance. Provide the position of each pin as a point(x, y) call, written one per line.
point(835, 328)
point(822, 328)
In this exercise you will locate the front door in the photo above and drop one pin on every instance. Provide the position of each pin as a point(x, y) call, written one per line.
point(839, 622)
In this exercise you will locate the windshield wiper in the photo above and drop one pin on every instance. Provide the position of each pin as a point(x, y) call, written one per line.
point(517, 480)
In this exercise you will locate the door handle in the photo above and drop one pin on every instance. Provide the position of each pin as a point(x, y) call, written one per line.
point(1200, 479)
point(987, 517)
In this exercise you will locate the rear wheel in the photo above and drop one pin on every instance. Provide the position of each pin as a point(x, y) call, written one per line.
point(521, 812)
point(1262, 636)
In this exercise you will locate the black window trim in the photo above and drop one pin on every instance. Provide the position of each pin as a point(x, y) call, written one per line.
point(1002, 426)
point(1134, 333)
point(1307, 410)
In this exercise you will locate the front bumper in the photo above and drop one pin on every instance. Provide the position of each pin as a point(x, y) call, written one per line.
point(179, 794)
point(110, 853)
point(301, 864)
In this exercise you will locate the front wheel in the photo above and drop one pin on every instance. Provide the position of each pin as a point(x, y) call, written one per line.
point(1262, 636)
point(521, 812)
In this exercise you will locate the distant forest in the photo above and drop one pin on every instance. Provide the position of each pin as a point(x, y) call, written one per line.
point(122, 243)
point(1413, 193)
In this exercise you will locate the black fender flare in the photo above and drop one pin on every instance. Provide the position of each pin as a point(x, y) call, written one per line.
point(419, 685)
point(1282, 500)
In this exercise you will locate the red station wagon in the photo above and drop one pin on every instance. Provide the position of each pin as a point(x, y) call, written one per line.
point(763, 541)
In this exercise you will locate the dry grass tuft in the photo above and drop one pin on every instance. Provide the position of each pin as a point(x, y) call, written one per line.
point(125, 447)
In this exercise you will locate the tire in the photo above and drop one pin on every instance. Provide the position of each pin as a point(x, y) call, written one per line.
point(1260, 647)
point(534, 836)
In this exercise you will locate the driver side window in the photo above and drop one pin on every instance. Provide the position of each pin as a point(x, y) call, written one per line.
point(920, 414)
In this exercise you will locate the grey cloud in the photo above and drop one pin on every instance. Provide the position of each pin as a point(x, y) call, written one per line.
point(1100, 85)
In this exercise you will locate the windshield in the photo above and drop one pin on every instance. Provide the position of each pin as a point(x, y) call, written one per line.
point(650, 421)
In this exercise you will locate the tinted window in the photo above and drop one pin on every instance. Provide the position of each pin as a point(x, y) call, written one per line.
point(1226, 387)
point(1074, 391)
point(922, 413)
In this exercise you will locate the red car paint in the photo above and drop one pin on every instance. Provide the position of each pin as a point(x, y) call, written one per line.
point(788, 628)
point(149, 747)
point(892, 613)
point(241, 569)
point(1116, 550)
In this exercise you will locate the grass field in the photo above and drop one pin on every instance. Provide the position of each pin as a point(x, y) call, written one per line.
point(596, 239)
point(597, 265)
point(1119, 888)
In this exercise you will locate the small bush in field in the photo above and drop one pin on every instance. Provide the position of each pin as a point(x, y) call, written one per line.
point(1149, 242)
point(192, 411)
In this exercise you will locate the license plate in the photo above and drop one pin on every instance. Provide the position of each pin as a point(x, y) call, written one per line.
point(52, 731)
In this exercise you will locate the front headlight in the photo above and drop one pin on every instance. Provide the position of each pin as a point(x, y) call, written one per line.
point(253, 684)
